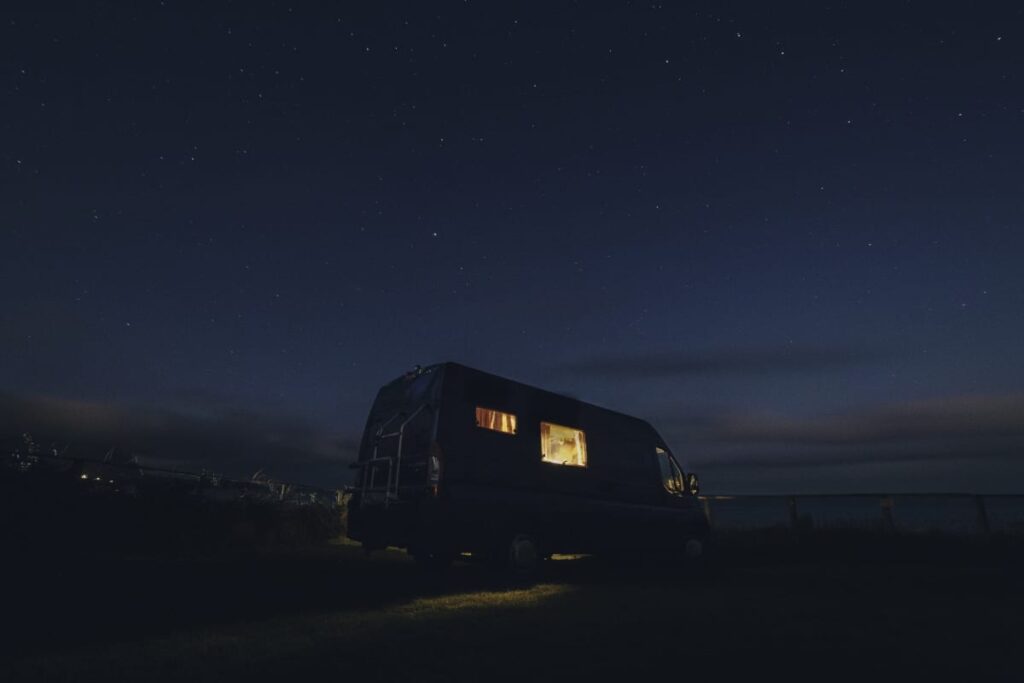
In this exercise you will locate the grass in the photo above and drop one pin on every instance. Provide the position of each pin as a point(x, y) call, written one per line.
point(333, 613)
point(247, 649)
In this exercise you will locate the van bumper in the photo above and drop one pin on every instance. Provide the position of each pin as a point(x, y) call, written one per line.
point(398, 524)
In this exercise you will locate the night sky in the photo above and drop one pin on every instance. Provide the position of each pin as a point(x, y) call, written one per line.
point(788, 236)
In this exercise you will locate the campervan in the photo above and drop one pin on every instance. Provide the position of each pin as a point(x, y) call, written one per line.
point(458, 462)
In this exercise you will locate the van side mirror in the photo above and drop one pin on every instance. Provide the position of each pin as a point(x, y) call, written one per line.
point(693, 484)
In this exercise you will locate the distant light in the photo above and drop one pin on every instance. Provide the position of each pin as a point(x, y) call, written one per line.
point(84, 476)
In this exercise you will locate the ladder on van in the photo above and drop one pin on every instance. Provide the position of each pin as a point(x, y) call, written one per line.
point(370, 490)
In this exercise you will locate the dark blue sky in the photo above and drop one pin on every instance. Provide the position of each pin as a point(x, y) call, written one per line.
point(788, 236)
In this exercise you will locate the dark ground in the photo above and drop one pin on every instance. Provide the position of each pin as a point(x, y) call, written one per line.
point(833, 607)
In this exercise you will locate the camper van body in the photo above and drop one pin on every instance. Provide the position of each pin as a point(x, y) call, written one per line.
point(455, 460)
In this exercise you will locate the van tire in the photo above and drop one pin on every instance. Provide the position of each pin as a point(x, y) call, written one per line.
point(524, 556)
point(699, 556)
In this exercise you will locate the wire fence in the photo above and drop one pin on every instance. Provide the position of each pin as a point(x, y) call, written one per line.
point(54, 503)
point(128, 476)
point(957, 513)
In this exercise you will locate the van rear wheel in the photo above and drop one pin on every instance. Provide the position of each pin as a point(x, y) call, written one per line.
point(524, 555)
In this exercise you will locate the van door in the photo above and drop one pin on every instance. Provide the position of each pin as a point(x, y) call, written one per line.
point(671, 475)
point(394, 457)
point(680, 516)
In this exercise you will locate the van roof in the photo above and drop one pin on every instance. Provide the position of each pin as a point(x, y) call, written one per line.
point(534, 388)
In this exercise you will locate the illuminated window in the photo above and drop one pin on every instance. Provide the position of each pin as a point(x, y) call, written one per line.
point(495, 420)
point(562, 445)
point(671, 476)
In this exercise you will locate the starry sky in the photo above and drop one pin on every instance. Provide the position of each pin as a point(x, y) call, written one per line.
point(790, 236)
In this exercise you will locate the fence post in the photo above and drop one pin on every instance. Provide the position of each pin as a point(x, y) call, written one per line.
point(794, 514)
point(888, 524)
point(983, 525)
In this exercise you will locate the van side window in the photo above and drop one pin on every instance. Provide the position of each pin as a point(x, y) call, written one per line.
point(495, 420)
point(671, 476)
point(563, 445)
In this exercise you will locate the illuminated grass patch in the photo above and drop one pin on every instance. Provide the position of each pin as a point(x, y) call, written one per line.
point(437, 606)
